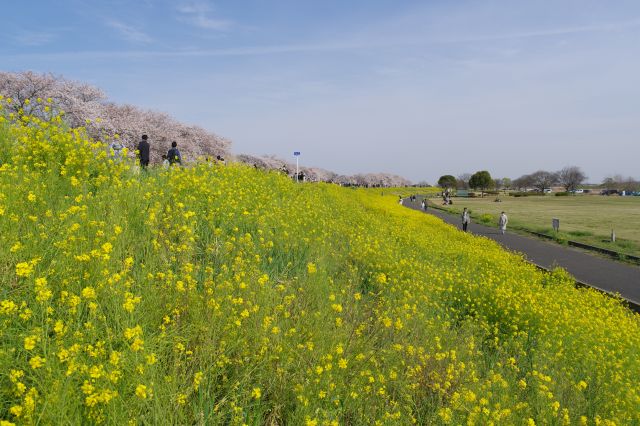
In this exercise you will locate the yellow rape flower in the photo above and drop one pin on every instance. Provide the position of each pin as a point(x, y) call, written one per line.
point(89, 293)
point(311, 268)
point(197, 379)
point(36, 362)
point(30, 342)
point(141, 391)
point(24, 269)
point(16, 410)
point(256, 393)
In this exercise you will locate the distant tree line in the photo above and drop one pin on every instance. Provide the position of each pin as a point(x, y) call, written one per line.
point(481, 180)
point(316, 174)
point(84, 105)
point(621, 183)
point(570, 178)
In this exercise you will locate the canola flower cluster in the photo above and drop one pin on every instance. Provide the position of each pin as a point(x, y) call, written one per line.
point(227, 295)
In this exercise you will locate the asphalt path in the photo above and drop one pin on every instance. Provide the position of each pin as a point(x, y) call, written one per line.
point(592, 270)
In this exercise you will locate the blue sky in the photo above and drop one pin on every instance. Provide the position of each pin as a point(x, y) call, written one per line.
point(417, 88)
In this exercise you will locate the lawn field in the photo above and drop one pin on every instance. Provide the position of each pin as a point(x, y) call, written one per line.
point(584, 218)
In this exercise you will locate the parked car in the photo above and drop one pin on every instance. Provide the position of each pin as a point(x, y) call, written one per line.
point(578, 191)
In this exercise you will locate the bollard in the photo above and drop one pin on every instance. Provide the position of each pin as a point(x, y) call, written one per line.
point(613, 236)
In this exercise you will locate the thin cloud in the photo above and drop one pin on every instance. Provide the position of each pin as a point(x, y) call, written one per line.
point(129, 32)
point(33, 38)
point(238, 51)
point(198, 13)
point(329, 46)
point(610, 26)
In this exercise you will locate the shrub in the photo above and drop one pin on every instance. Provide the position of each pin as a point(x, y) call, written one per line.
point(526, 194)
point(486, 218)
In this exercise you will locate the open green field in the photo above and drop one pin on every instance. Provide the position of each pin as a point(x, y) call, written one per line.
point(584, 218)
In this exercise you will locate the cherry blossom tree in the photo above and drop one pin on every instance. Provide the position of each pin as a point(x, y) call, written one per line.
point(86, 105)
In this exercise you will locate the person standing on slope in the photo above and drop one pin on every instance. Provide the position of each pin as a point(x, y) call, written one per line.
point(174, 154)
point(143, 151)
point(502, 222)
point(115, 149)
point(465, 219)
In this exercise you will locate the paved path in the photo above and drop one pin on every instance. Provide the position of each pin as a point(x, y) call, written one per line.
point(595, 271)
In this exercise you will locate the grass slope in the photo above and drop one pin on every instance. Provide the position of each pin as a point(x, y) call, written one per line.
point(225, 295)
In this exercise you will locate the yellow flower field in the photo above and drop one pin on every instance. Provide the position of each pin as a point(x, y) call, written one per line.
point(228, 295)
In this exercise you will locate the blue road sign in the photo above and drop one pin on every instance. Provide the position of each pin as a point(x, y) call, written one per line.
point(296, 153)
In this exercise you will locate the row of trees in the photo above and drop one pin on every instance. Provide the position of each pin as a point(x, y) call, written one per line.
point(481, 180)
point(621, 183)
point(569, 177)
point(316, 174)
point(85, 105)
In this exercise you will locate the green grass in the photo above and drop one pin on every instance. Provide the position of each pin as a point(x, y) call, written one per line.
point(588, 218)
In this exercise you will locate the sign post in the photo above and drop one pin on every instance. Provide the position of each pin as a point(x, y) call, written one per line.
point(556, 224)
point(297, 155)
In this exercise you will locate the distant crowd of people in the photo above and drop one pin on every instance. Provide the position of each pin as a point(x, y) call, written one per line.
point(172, 157)
point(446, 197)
point(300, 176)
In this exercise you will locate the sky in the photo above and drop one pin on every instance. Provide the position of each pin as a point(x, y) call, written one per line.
point(415, 88)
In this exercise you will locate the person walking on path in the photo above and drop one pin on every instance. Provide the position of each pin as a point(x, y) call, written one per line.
point(502, 222)
point(143, 150)
point(465, 219)
point(174, 154)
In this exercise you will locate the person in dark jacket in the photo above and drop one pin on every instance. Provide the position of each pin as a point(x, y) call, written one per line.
point(174, 154)
point(143, 150)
